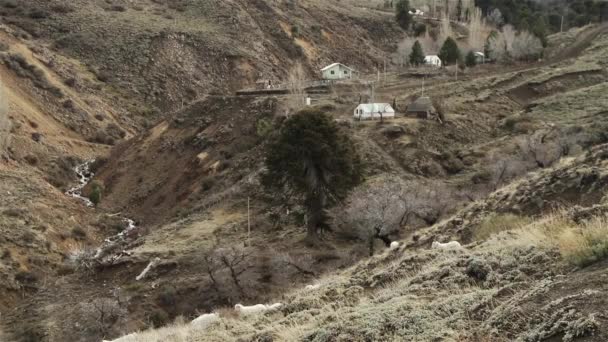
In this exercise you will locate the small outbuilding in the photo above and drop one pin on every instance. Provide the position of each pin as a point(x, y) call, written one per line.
point(370, 111)
point(337, 71)
point(480, 57)
point(432, 60)
point(421, 108)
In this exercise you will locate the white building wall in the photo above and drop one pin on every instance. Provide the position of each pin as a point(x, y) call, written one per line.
point(337, 72)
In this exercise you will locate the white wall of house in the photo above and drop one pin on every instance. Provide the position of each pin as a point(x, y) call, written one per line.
point(366, 111)
point(432, 60)
point(337, 71)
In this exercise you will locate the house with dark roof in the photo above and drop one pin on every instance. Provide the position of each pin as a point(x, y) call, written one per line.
point(421, 108)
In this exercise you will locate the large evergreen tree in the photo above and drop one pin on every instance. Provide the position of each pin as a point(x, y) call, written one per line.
point(402, 14)
point(417, 55)
point(449, 53)
point(315, 162)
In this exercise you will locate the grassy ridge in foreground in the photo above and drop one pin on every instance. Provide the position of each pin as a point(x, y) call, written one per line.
point(478, 294)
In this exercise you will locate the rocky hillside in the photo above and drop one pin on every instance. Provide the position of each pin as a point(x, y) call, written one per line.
point(168, 53)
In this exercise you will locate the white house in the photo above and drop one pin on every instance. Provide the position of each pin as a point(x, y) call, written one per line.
point(480, 57)
point(337, 71)
point(433, 60)
point(374, 111)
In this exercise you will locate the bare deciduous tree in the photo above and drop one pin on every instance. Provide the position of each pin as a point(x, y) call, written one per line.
point(526, 46)
point(495, 17)
point(379, 209)
point(501, 45)
point(237, 261)
point(476, 25)
point(96, 319)
point(539, 149)
point(446, 28)
point(504, 168)
point(296, 85)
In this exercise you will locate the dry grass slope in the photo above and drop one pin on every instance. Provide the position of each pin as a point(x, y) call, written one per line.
point(479, 294)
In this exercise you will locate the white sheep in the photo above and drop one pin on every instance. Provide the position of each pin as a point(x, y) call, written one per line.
point(250, 310)
point(394, 245)
point(312, 287)
point(448, 245)
point(274, 306)
point(203, 321)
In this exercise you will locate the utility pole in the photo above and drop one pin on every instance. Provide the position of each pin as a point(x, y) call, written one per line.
point(372, 100)
point(385, 70)
point(423, 79)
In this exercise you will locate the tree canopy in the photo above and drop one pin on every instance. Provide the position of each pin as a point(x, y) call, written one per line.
point(450, 53)
point(417, 55)
point(315, 162)
point(532, 15)
point(402, 14)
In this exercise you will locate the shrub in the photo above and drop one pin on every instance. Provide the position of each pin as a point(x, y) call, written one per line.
point(79, 233)
point(70, 82)
point(38, 14)
point(30, 333)
point(263, 128)
point(419, 29)
point(481, 177)
point(586, 245)
point(61, 8)
point(208, 183)
point(31, 159)
point(26, 277)
point(158, 318)
point(114, 131)
point(118, 8)
point(96, 191)
point(101, 137)
point(451, 163)
point(10, 4)
point(167, 297)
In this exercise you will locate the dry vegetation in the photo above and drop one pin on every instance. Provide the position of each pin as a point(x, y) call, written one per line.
point(439, 295)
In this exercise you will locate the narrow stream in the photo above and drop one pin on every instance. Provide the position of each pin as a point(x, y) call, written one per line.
point(84, 173)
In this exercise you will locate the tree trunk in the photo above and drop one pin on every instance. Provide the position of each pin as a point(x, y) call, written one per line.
point(316, 215)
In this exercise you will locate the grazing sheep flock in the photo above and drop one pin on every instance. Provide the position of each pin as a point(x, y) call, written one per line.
point(452, 245)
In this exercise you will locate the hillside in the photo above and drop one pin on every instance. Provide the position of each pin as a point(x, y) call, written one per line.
point(164, 54)
point(134, 101)
point(506, 130)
